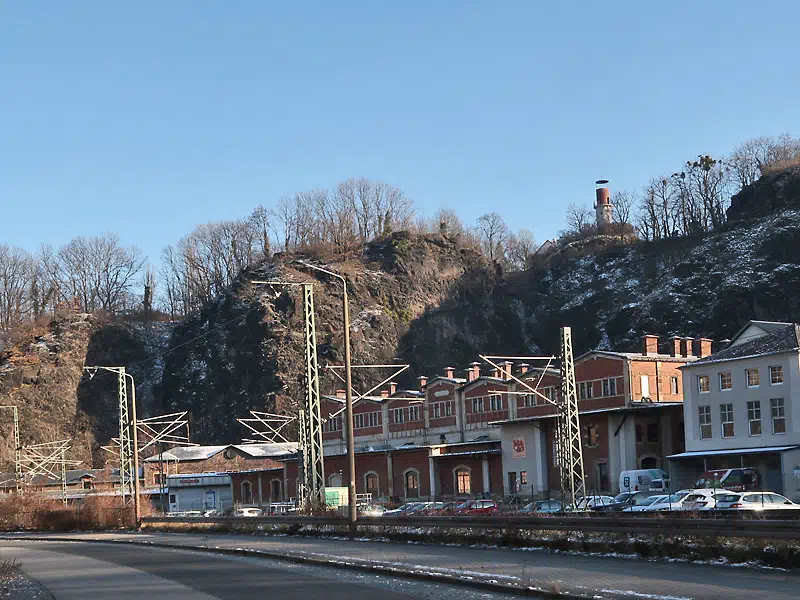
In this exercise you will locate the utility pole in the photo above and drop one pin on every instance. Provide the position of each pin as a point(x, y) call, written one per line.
point(17, 451)
point(128, 438)
point(351, 448)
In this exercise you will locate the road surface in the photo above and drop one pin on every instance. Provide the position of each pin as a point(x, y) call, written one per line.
point(603, 576)
point(85, 571)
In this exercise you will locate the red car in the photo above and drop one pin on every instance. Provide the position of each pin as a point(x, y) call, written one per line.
point(476, 507)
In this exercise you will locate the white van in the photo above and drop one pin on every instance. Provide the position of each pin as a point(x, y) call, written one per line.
point(643, 480)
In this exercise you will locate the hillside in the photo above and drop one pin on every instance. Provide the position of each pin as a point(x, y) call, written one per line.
point(424, 300)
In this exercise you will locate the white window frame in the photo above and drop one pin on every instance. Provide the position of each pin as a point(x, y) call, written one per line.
point(374, 420)
point(704, 413)
point(413, 413)
point(700, 379)
point(726, 410)
point(779, 369)
point(754, 416)
point(448, 409)
point(495, 402)
point(747, 377)
point(399, 417)
point(674, 386)
point(358, 421)
point(781, 410)
point(730, 381)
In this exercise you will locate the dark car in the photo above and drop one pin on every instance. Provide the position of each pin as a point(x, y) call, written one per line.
point(621, 502)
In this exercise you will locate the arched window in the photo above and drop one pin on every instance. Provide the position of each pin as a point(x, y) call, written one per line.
point(335, 480)
point(371, 484)
point(411, 483)
point(649, 462)
point(247, 492)
point(275, 490)
point(463, 482)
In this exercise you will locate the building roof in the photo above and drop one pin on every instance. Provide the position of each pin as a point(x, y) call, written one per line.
point(633, 407)
point(638, 356)
point(192, 453)
point(701, 453)
point(73, 476)
point(778, 338)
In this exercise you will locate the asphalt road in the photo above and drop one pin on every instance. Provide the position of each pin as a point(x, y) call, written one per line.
point(609, 576)
point(80, 571)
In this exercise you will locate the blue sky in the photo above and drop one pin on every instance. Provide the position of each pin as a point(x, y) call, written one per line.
point(149, 118)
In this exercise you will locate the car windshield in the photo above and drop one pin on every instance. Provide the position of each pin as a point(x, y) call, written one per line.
point(650, 500)
point(623, 497)
point(464, 505)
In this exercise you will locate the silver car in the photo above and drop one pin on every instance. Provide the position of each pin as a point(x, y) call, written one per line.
point(755, 501)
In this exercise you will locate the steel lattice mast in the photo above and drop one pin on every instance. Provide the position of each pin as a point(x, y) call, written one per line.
point(315, 474)
point(568, 432)
point(17, 451)
point(126, 474)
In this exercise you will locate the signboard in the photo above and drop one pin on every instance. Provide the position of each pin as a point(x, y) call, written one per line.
point(441, 393)
point(188, 481)
point(336, 497)
point(518, 448)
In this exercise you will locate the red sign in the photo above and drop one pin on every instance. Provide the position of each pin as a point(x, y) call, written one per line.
point(518, 448)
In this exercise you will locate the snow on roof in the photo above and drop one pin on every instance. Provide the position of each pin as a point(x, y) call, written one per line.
point(783, 337)
point(697, 453)
point(267, 450)
point(187, 453)
point(190, 453)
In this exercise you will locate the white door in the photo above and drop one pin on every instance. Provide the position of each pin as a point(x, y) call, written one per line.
point(645, 386)
point(173, 502)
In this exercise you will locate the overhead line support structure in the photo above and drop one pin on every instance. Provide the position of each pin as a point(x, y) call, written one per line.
point(17, 450)
point(313, 495)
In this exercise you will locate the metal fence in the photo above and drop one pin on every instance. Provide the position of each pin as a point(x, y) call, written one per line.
point(711, 525)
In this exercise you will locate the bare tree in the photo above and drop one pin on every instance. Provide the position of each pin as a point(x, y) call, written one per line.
point(493, 233)
point(579, 218)
point(447, 222)
point(623, 202)
point(17, 273)
point(760, 154)
point(520, 248)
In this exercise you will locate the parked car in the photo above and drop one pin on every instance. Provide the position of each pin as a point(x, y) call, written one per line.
point(541, 507)
point(622, 501)
point(594, 502)
point(211, 513)
point(248, 512)
point(672, 502)
point(746, 479)
point(192, 513)
point(641, 480)
point(477, 507)
point(403, 510)
point(371, 510)
point(441, 509)
point(703, 499)
point(755, 501)
point(645, 503)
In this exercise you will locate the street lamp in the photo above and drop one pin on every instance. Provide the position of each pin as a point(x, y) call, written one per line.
point(120, 371)
point(351, 447)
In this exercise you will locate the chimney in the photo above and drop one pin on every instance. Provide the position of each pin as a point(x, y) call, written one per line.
point(675, 347)
point(702, 347)
point(686, 347)
point(423, 382)
point(649, 345)
point(470, 373)
point(392, 388)
point(476, 370)
point(523, 368)
point(384, 393)
point(496, 373)
point(508, 365)
point(341, 394)
point(449, 372)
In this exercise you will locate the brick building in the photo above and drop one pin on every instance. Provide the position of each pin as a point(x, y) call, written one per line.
point(631, 418)
point(214, 459)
